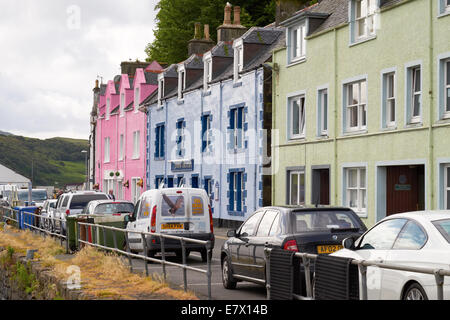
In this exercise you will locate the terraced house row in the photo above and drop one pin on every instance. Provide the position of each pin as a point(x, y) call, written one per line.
point(362, 106)
point(345, 102)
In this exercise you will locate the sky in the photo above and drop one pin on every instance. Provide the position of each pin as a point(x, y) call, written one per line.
point(52, 52)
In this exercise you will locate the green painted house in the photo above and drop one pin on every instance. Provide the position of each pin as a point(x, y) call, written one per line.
point(361, 107)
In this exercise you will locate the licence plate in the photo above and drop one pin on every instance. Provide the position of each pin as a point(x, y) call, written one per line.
point(328, 249)
point(172, 226)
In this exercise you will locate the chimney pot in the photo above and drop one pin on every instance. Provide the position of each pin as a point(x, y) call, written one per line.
point(96, 84)
point(197, 30)
point(237, 15)
point(227, 19)
point(206, 31)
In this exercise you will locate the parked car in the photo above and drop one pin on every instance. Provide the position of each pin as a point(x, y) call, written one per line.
point(110, 207)
point(182, 212)
point(72, 203)
point(46, 212)
point(317, 230)
point(413, 239)
point(38, 197)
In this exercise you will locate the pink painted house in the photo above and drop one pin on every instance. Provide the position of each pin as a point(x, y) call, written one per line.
point(121, 133)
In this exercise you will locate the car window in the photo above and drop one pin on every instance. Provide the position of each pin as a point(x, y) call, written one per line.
point(319, 220)
point(382, 236)
point(173, 205)
point(145, 210)
point(443, 227)
point(248, 228)
point(266, 223)
point(64, 202)
point(275, 229)
point(412, 237)
point(52, 205)
point(80, 201)
point(136, 208)
point(113, 208)
point(198, 208)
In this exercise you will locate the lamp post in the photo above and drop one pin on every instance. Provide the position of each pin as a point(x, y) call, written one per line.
point(87, 175)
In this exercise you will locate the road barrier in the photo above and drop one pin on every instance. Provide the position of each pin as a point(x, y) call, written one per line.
point(12, 215)
point(307, 259)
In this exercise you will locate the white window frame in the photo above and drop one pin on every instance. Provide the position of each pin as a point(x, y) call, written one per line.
point(366, 19)
point(208, 131)
point(107, 149)
point(361, 106)
point(447, 6)
point(181, 81)
point(121, 146)
point(360, 208)
point(137, 98)
point(136, 144)
point(412, 71)
point(446, 88)
point(207, 71)
point(235, 191)
point(446, 187)
point(302, 116)
point(299, 174)
point(297, 35)
point(390, 101)
point(238, 47)
point(160, 89)
point(322, 99)
point(135, 193)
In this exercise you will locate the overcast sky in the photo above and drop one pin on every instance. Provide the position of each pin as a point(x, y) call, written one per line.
point(53, 50)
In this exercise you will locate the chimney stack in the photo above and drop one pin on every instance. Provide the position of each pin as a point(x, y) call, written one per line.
point(200, 45)
point(227, 31)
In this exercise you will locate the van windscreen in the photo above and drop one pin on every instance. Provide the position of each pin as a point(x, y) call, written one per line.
point(173, 205)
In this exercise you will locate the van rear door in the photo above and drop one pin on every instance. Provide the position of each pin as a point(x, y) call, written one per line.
point(199, 212)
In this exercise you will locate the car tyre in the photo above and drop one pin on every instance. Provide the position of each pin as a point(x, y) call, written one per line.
point(227, 275)
point(415, 292)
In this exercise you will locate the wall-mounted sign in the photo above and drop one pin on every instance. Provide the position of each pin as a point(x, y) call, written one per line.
point(402, 187)
point(182, 165)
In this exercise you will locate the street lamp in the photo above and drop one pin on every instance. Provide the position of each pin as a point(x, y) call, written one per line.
point(87, 175)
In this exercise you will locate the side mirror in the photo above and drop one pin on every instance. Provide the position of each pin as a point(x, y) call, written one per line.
point(349, 243)
point(231, 233)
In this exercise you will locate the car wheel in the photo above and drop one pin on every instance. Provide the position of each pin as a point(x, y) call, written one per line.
point(227, 275)
point(415, 292)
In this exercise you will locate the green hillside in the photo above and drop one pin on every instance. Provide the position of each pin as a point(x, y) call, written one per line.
point(56, 160)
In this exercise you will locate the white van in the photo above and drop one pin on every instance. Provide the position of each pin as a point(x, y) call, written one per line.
point(183, 212)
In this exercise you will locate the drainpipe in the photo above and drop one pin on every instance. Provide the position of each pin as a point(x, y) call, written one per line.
point(256, 187)
point(274, 115)
point(222, 153)
point(335, 119)
point(431, 110)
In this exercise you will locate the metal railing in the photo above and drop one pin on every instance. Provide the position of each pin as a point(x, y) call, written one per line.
point(144, 235)
point(306, 259)
point(37, 225)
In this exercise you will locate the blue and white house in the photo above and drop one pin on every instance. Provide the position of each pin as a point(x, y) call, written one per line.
point(209, 125)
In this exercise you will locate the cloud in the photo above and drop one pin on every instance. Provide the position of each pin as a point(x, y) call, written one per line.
point(52, 52)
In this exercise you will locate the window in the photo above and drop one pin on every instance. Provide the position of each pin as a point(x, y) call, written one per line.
point(322, 112)
point(446, 87)
point(159, 141)
point(266, 223)
point(236, 191)
point(121, 147)
point(356, 194)
point(414, 92)
point(356, 106)
point(173, 205)
point(137, 99)
point(389, 99)
point(447, 187)
point(181, 82)
point(412, 237)
point(364, 11)
point(296, 187)
point(238, 60)
point(107, 150)
point(180, 137)
point(135, 189)
point(158, 181)
point(297, 116)
point(194, 181)
point(249, 227)
point(207, 76)
point(444, 228)
point(206, 133)
point(160, 90)
point(136, 144)
point(209, 187)
point(108, 108)
point(236, 128)
point(382, 236)
point(298, 42)
point(444, 7)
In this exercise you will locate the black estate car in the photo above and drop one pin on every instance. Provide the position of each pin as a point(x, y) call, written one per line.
point(317, 230)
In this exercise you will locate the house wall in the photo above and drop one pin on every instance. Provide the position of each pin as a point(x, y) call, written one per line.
point(409, 32)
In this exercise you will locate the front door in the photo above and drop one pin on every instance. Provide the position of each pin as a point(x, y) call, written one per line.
point(404, 189)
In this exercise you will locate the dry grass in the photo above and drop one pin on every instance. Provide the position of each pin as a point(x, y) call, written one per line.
point(103, 276)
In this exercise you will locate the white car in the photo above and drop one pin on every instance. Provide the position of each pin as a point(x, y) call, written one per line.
point(47, 212)
point(413, 239)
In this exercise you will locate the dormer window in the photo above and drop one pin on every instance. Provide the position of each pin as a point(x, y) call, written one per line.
point(137, 99)
point(160, 90)
point(122, 104)
point(363, 19)
point(297, 42)
point(207, 72)
point(181, 81)
point(238, 59)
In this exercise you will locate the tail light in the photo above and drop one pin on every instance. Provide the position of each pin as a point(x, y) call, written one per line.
point(67, 212)
point(211, 224)
point(153, 220)
point(291, 245)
